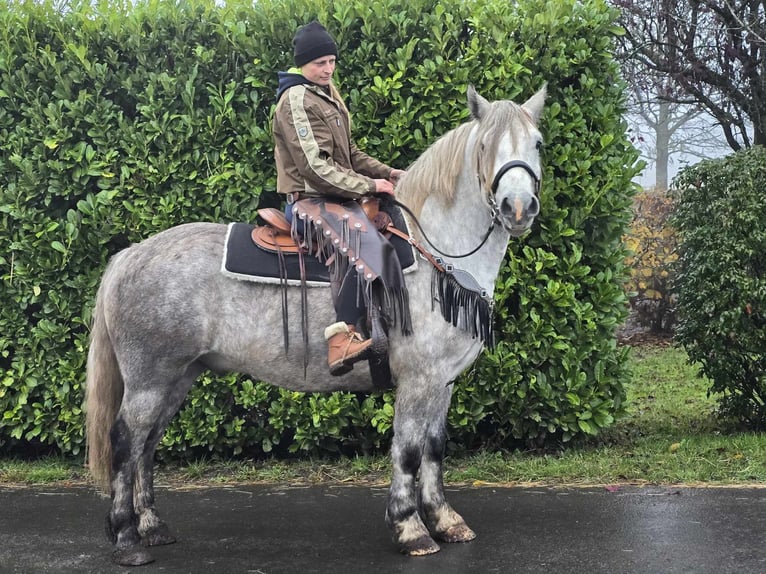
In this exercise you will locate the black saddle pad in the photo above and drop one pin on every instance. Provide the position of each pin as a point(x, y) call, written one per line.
point(245, 260)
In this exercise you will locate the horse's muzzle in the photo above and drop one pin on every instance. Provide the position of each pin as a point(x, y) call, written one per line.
point(518, 212)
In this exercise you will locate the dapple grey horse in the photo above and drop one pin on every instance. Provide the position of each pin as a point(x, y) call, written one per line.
point(165, 313)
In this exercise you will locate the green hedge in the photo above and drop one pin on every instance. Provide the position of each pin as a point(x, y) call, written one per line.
point(721, 278)
point(118, 121)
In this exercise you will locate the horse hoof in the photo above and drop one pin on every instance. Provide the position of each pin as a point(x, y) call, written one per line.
point(131, 556)
point(422, 546)
point(458, 533)
point(159, 536)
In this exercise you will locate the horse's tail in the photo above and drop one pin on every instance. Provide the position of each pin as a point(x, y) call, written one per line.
point(103, 395)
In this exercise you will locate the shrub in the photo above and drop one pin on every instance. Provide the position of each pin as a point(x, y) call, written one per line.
point(652, 244)
point(119, 120)
point(721, 279)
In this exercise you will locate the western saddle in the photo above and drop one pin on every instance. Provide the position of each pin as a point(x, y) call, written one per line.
point(276, 235)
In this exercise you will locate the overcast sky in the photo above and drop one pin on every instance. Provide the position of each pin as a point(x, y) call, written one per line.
point(716, 147)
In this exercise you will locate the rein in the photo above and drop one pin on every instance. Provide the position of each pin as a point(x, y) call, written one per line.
point(439, 251)
point(493, 208)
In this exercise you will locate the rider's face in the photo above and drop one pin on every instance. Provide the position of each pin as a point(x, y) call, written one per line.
point(320, 70)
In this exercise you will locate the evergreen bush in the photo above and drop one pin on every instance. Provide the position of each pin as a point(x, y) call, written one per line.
point(721, 278)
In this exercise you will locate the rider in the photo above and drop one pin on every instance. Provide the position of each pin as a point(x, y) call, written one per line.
point(315, 157)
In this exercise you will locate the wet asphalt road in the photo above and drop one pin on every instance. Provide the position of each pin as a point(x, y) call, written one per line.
point(270, 530)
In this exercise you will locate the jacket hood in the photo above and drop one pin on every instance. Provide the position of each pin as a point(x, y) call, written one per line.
point(289, 79)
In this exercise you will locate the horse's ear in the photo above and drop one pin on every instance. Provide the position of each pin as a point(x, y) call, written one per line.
point(476, 103)
point(534, 105)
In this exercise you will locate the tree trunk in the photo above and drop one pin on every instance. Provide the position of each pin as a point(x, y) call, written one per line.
point(759, 136)
point(663, 146)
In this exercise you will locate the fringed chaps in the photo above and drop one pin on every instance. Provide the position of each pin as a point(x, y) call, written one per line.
point(340, 233)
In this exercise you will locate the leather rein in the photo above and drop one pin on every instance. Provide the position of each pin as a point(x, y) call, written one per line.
point(493, 207)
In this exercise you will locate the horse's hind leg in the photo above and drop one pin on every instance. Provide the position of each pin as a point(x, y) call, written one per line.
point(154, 531)
point(121, 522)
point(140, 422)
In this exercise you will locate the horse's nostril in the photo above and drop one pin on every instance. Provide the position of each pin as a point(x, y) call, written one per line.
point(534, 206)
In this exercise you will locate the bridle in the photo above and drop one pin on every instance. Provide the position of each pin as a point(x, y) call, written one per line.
point(493, 207)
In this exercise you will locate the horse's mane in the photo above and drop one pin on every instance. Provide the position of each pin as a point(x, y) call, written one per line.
point(436, 171)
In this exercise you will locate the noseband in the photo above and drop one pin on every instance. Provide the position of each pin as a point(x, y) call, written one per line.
point(509, 166)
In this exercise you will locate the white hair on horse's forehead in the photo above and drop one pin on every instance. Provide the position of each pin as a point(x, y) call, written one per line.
point(500, 117)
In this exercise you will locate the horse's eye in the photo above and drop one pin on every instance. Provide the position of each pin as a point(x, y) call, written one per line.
point(539, 145)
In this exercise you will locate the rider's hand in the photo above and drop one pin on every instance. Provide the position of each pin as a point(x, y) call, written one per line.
point(384, 186)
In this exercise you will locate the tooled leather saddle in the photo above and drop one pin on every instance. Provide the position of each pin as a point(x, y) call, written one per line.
point(276, 236)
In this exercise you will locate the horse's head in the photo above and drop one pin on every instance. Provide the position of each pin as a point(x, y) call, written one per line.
point(507, 158)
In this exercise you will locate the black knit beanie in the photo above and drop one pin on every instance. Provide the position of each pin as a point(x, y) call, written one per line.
point(313, 41)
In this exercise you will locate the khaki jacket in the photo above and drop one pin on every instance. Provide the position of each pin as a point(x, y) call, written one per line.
point(313, 149)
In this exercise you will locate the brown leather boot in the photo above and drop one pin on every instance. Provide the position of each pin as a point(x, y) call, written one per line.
point(344, 348)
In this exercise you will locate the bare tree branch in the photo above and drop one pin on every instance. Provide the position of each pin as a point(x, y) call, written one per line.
point(713, 52)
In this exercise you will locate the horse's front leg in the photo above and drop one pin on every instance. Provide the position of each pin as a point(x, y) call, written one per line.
point(420, 437)
point(418, 447)
point(444, 523)
point(402, 512)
